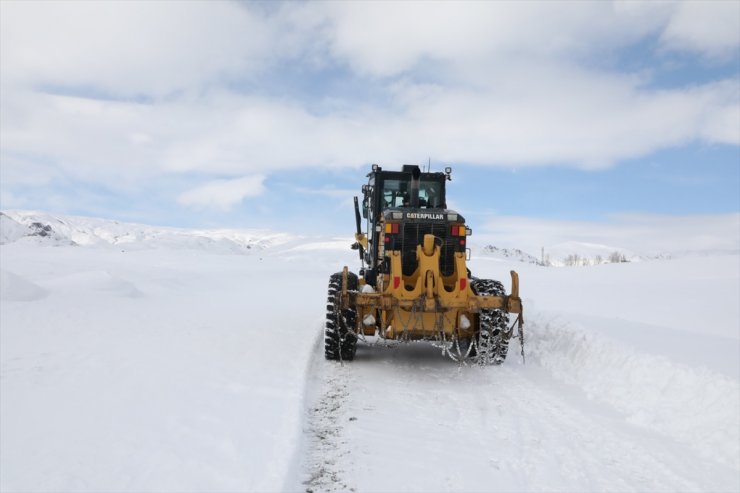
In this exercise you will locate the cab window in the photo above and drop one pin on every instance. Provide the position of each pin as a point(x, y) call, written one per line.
point(395, 193)
point(430, 194)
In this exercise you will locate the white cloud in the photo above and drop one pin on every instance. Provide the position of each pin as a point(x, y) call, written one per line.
point(575, 117)
point(223, 194)
point(551, 114)
point(130, 48)
point(511, 86)
point(640, 233)
point(389, 38)
point(711, 27)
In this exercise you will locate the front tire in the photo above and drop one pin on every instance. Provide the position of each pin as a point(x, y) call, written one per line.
point(493, 325)
point(340, 338)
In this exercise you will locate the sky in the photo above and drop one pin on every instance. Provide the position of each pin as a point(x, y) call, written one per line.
point(599, 119)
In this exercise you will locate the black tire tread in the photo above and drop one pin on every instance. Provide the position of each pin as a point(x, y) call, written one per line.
point(494, 331)
point(340, 340)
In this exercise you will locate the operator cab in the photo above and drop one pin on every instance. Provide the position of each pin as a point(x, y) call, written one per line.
point(406, 188)
point(412, 204)
point(397, 192)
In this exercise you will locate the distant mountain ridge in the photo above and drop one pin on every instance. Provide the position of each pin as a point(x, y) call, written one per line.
point(510, 253)
point(571, 254)
point(59, 230)
point(53, 229)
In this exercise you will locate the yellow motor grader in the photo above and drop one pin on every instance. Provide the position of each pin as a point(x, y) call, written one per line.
point(414, 283)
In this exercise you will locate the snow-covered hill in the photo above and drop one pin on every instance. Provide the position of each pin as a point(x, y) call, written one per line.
point(513, 254)
point(135, 358)
point(571, 254)
point(580, 254)
point(58, 229)
point(594, 253)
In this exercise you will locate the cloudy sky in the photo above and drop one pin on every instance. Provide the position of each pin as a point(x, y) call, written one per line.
point(585, 116)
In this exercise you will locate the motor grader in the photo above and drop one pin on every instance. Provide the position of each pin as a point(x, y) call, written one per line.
point(414, 283)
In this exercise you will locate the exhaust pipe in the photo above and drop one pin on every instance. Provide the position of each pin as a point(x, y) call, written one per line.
point(414, 192)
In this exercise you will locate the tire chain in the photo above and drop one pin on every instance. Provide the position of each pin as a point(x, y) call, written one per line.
point(494, 330)
point(340, 340)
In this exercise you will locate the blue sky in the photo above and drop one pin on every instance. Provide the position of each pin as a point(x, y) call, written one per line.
point(268, 115)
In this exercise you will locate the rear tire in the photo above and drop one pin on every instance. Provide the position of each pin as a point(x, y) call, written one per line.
point(493, 325)
point(340, 339)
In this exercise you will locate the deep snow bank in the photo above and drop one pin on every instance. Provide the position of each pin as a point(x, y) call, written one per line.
point(658, 341)
point(153, 370)
point(16, 288)
point(690, 403)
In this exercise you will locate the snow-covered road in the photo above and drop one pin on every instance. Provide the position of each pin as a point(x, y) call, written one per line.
point(602, 403)
point(407, 419)
point(136, 366)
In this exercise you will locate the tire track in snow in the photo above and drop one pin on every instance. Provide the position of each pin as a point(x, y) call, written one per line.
point(422, 422)
point(325, 447)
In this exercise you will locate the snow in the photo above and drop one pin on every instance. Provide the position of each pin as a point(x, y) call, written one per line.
point(100, 232)
point(11, 230)
point(508, 254)
point(150, 359)
point(152, 370)
point(560, 251)
point(16, 288)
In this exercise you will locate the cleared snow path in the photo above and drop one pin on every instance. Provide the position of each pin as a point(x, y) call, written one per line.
point(628, 386)
point(407, 419)
point(325, 448)
point(179, 366)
